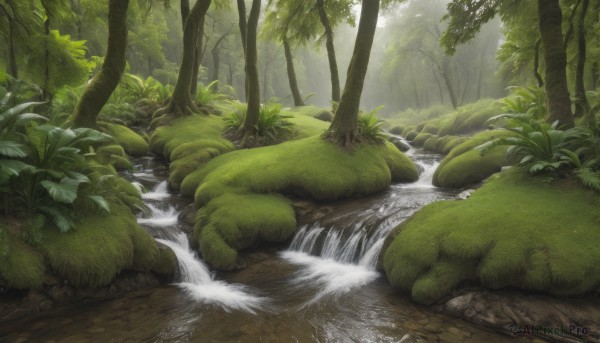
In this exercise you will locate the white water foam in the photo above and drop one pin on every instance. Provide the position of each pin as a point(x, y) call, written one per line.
point(198, 283)
point(159, 192)
point(160, 217)
point(334, 278)
point(426, 177)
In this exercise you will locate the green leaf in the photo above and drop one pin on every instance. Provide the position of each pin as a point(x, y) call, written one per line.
point(13, 149)
point(59, 218)
point(101, 203)
point(14, 167)
point(65, 191)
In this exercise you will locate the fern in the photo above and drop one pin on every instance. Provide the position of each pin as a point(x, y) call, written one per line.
point(369, 127)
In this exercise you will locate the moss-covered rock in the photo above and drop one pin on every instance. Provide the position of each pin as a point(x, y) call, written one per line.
point(429, 128)
point(431, 144)
point(397, 129)
point(410, 136)
point(517, 230)
point(420, 139)
point(23, 267)
point(189, 142)
point(465, 165)
point(132, 143)
point(324, 116)
point(237, 192)
point(166, 263)
point(409, 129)
point(100, 248)
point(453, 143)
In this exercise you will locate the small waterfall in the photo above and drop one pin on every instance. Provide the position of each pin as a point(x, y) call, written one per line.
point(160, 217)
point(198, 283)
point(159, 192)
point(196, 279)
point(426, 177)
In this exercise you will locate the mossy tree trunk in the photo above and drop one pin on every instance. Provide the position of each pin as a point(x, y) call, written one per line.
point(216, 56)
point(11, 66)
point(555, 58)
point(536, 64)
point(343, 129)
point(253, 112)
point(291, 71)
point(181, 102)
point(582, 106)
point(198, 57)
point(104, 83)
point(243, 25)
point(333, 68)
point(46, 84)
point(185, 11)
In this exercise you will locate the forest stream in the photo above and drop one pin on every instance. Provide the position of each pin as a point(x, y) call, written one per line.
point(325, 287)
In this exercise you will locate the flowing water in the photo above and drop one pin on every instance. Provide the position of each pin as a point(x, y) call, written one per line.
point(324, 288)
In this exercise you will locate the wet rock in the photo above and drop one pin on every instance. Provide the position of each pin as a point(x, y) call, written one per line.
point(465, 194)
point(187, 215)
point(324, 116)
point(60, 293)
point(506, 312)
point(400, 143)
point(166, 265)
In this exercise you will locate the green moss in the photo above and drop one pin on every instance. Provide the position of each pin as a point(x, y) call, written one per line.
point(464, 165)
point(23, 267)
point(420, 139)
point(99, 249)
point(145, 251)
point(411, 136)
point(517, 230)
point(466, 119)
point(131, 142)
point(407, 130)
point(431, 144)
point(430, 128)
point(397, 130)
point(442, 143)
point(113, 155)
point(237, 191)
point(453, 143)
point(189, 142)
point(166, 263)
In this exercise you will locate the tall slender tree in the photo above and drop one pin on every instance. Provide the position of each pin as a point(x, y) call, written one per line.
point(344, 127)
point(104, 83)
point(467, 17)
point(181, 102)
point(248, 127)
point(333, 68)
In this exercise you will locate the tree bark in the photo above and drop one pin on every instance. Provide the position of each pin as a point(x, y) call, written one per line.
point(344, 127)
point(198, 57)
point(243, 25)
point(253, 111)
point(555, 57)
point(12, 62)
point(185, 11)
point(445, 73)
point(216, 50)
point(581, 104)
point(104, 83)
point(333, 68)
point(46, 84)
point(536, 64)
point(291, 71)
point(181, 102)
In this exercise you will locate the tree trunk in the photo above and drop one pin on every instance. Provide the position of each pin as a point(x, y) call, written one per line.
point(181, 102)
point(104, 83)
point(253, 111)
point(555, 57)
point(536, 64)
point(333, 68)
point(12, 60)
point(581, 104)
point(241, 6)
point(291, 71)
point(445, 75)
point(595, 75)
point(343, 129)
point(46, 84)
point(265, 92)
point(216, 50)
point(198, 57)
point(185, 11)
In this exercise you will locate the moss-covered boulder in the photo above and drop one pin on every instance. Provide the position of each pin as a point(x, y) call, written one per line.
point(132, 143)
point(431, 144)
point(465, 165)
point(22, 267)
point(189, 142)
point(397, 129)
point(410, 136)
point(238, 192)
point(421, 138)
point(453, 143)
point(516, 231)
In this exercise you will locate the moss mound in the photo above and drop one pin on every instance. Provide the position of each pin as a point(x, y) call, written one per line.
point(308, 120)
point(100, 248)
point(517, 230)
point(467, 119)
point(166, 263)
point(23, 267)
point(420, 139)
point(189, 142)
point(131, 142)
point(235, 190)
point(431, 144)
point(464, 165)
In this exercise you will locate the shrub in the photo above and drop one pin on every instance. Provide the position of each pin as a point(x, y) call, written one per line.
point(271, 125)
point(206, 95)
point(369, 128)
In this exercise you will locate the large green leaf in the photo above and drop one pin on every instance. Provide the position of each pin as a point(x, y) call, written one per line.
point(101, 203)
point(65, 191)
point(59, 218)
point(13, 149)
point(14, 167)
